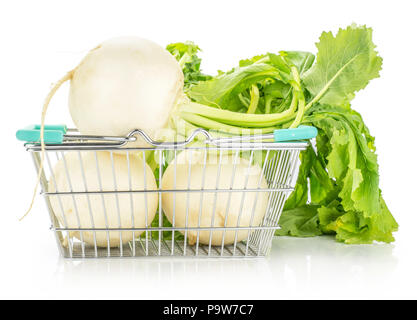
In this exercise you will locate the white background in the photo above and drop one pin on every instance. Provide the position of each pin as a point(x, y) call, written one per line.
point(41, 40)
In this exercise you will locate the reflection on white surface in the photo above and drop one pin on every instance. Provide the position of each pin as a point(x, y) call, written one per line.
point(296, 267)
point(305, 264)
point(163, 277)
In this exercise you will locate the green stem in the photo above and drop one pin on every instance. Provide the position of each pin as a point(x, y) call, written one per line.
point(150, 160)
point(254, 99)
point(178, 124)
point(230, 117)
point(244, 100)
point(268, 101)
point(205, 123)
point(300, 95)
point(300, 112)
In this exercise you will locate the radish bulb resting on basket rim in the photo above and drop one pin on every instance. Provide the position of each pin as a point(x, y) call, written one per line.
point(123, 84)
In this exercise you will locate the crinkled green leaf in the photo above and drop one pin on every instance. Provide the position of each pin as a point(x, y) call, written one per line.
point(247, 62)
point(183, 49)
point(361, 215)
point(277, 89)
point(299, 196)
point(300, 222)
point(345, 64)
point(328, 216)
point(222, 91)
point(345, 154)
point(350, 160)
point(301, 59)
point(186, 54)
point(353, 228)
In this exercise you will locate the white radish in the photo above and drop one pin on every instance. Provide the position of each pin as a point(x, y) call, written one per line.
point(123, 84)
point(242, 209)
point(103, 210)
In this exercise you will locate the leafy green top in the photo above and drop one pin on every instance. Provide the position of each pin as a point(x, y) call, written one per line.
point(186, 54)
point(337, 190)
point(345, 64)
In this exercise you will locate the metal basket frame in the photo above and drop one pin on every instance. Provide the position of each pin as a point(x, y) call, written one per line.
point(279, 168)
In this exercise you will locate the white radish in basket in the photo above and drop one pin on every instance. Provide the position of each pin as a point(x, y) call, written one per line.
point(123, 84)
point(116, 211)
point(242, 209)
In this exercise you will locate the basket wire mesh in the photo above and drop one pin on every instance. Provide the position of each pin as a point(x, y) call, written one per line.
point(277, 162)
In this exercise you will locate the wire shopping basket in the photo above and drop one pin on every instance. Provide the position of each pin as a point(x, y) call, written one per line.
point(210, 197)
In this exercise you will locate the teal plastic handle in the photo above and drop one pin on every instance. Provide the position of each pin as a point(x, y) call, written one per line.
point(53, 134)
point(294, 134)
